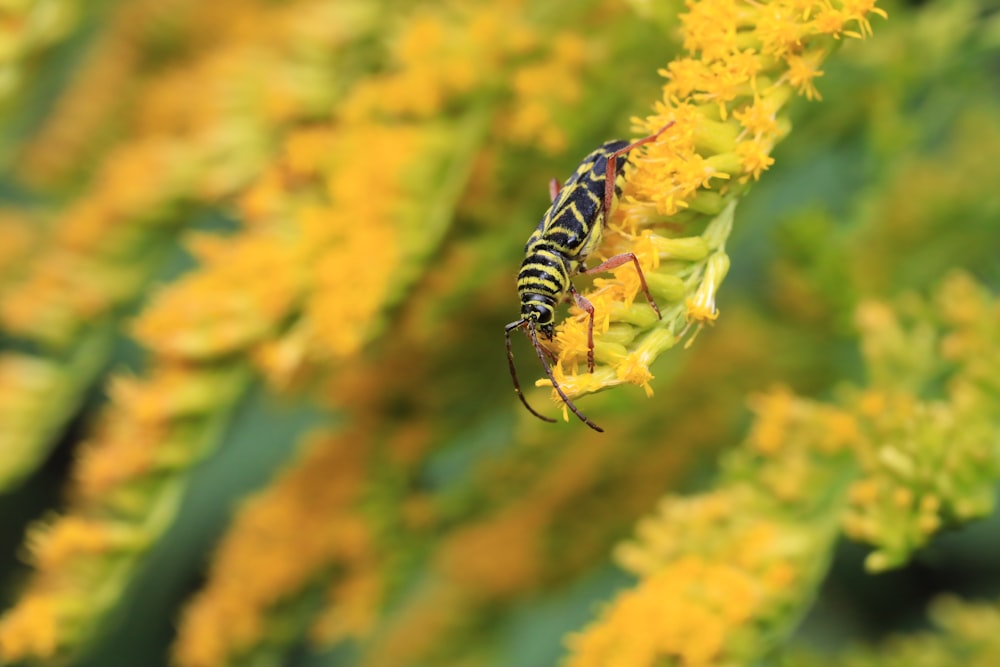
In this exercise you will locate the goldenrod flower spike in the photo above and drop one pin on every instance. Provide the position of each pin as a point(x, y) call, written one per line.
point(341, 221)
point(133, 468)
point(725, 574)
point(719, 571)
point(744, 61)
point(927, 460)
point(97, 253)
point(304, 530)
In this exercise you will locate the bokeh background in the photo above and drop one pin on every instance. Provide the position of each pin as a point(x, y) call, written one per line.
point(219, 445)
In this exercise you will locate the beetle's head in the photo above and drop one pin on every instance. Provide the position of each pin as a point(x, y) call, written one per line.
point(539, 310)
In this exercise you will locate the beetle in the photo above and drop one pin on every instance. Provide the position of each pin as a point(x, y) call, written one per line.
point(557, 250)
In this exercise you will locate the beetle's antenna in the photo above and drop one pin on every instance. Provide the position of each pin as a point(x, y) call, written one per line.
point(513, 371)
point(552, 379)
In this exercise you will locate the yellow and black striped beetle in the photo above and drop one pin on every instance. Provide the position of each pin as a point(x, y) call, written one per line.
point(569, 231)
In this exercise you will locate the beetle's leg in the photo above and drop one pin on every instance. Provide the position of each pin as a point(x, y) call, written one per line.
point(584, 304)
point(612, 171)
point(618, 260)
point(554, 188)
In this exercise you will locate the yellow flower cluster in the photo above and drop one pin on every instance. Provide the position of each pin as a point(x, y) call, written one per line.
point(343, 183)
point(715, 569)
point(926, 460)
point(132, 469)
point(323, 184)
point(298, 532)
point(888, 465)
point(126, 492)
point(725, 99)
point(37, 393)
point(539, 88)
point(142, 433)
point(352, 254)
point(99, 92)
point(445, 57)
point(686, 608)
point(198, 133)
point(440, 57)
point(339, 217)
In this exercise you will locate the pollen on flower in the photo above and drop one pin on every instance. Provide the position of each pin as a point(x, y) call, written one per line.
point(756, 157)
point(695, 173)
point(634, 369)
point(858, 10)
point(646, 249)
point(702, 311)
point(722, 87)
point(803, 70)
point(832, 21)
point(759, 118)
point(779, 31)
point(573, 341)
